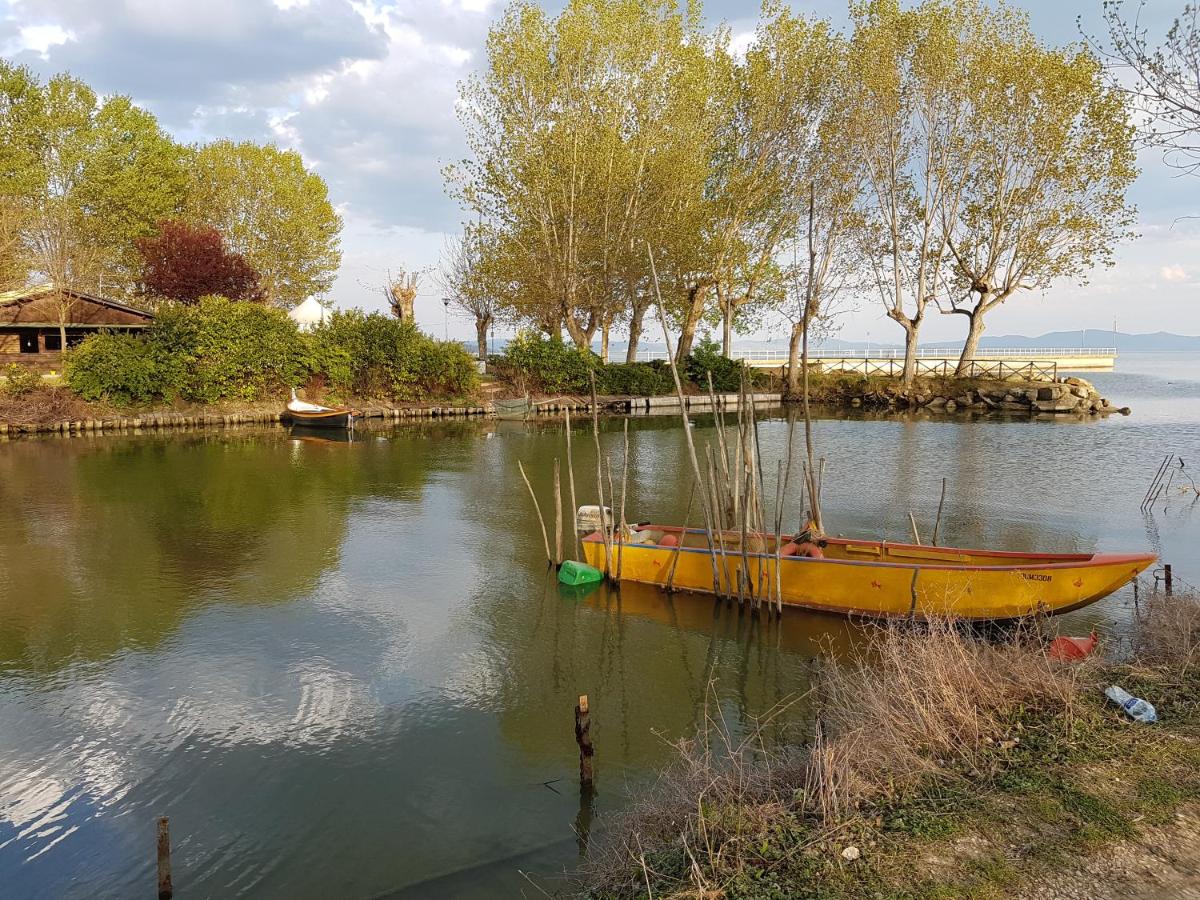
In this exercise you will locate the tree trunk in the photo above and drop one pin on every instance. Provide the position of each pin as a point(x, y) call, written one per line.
point(637, 314)
point(971, 345)
point(604, 342)
point(793, 374)
point(726, 304)
point(691, 321)
point(910, 354)
point(481, 334)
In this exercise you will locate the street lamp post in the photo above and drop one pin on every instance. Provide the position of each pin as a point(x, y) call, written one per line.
point(446, 307)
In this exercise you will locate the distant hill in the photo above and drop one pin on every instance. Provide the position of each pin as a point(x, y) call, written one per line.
point(1091, 337)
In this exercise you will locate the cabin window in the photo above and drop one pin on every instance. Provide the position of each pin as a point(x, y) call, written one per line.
point(75, 338)
point(29, 342)
point(52, 341)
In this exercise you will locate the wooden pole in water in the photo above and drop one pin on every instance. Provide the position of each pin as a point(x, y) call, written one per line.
point(571, 482)
point(605, 524)
point(165, 888)
point(938, 524)
point(583, 737)
point(687, 425)
point(1167, 580)
point(558, 516)
point(538, 509)
point(624, 485)
point(682, 535)
point(916, 534)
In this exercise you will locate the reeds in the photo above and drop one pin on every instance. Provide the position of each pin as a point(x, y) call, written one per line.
point(920, 702)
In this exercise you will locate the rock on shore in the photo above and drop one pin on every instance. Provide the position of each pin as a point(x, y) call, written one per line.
point(1068, 395)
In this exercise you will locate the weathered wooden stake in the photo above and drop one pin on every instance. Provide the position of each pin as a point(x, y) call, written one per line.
point(583, 737)
point(1167, 578)
point(916, 534)
point(165, 889)
point(538, 509)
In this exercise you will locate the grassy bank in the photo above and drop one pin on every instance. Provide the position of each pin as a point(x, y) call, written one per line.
point(941, 765)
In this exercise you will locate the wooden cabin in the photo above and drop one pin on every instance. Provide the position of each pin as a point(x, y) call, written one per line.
point(29, 323)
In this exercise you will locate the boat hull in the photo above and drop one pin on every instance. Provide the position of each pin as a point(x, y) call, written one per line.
point(881, 579)
point(334, 418)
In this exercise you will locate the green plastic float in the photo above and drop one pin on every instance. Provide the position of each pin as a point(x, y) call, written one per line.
point(573, 573)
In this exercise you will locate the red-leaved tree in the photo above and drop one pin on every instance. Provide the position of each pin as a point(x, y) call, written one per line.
point(186, 262)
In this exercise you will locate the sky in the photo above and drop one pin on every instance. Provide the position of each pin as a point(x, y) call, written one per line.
point(365, 90)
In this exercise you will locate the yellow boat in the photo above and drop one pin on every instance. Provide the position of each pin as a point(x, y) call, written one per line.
point(872, 578)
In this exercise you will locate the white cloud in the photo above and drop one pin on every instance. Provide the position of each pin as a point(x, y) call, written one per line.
point(40, 38)
point(1173, 273)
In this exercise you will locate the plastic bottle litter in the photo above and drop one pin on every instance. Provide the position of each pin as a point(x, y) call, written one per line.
point(1135, 707)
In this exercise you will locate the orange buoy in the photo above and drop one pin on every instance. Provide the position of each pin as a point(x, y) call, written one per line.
point(1072, 649)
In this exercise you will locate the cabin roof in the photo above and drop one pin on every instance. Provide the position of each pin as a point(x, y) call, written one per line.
point(22, 295)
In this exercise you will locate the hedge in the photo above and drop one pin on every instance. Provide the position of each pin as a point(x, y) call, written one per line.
point(549, 365)
point(221, 349)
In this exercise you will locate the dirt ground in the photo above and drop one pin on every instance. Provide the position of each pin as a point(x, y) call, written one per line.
point(1164, 862)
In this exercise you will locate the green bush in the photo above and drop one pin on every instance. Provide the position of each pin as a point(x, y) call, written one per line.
point(650, 379)
point(373, 355)
point(120, 368)
point(226, 350)
point(549, 365)
point(19, 381)
point(706, 358)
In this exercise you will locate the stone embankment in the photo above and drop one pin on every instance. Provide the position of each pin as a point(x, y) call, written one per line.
point(1069, 395)
point(162, 421)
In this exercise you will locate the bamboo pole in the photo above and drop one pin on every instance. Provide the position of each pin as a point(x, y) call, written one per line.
point(780, 488)
point(682, 535)
point(605, 523)
point(571, 482)
point(687, 430)
point(916, 534)
point(617, 538)
point(538, 508)
point(558, 516)
point(624, 485)
point(938, 523)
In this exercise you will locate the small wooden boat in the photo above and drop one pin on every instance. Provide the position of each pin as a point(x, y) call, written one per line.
point(518, 408)
point(313, 416)
point(874, 578)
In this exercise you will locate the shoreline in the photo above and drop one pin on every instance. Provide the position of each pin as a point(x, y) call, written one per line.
point(1073, 397)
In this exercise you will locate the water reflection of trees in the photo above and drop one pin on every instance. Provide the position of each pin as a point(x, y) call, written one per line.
point(108, 544)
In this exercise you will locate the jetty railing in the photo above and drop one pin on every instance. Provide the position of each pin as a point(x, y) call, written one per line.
point(1034, 370)
point(937, 353)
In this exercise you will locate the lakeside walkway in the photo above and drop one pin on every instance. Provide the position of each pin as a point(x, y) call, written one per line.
point(931, 360)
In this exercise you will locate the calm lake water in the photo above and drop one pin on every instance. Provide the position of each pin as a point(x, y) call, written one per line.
point(343, 670)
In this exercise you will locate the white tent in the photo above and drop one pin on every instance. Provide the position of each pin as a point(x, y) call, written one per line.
point(309, 314)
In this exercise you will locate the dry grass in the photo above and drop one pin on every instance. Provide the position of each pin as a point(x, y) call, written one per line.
point(1167, 635)
point(43, 405)
point(925, 700)
point(920, 702)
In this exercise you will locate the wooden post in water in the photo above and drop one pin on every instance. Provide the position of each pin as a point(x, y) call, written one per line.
point(558, 516)
point(916, 534)
point(165, 889)
point(571, 483)
point(583, 737)
point(938, 523)
point(538, 509)
point(1167, 581)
